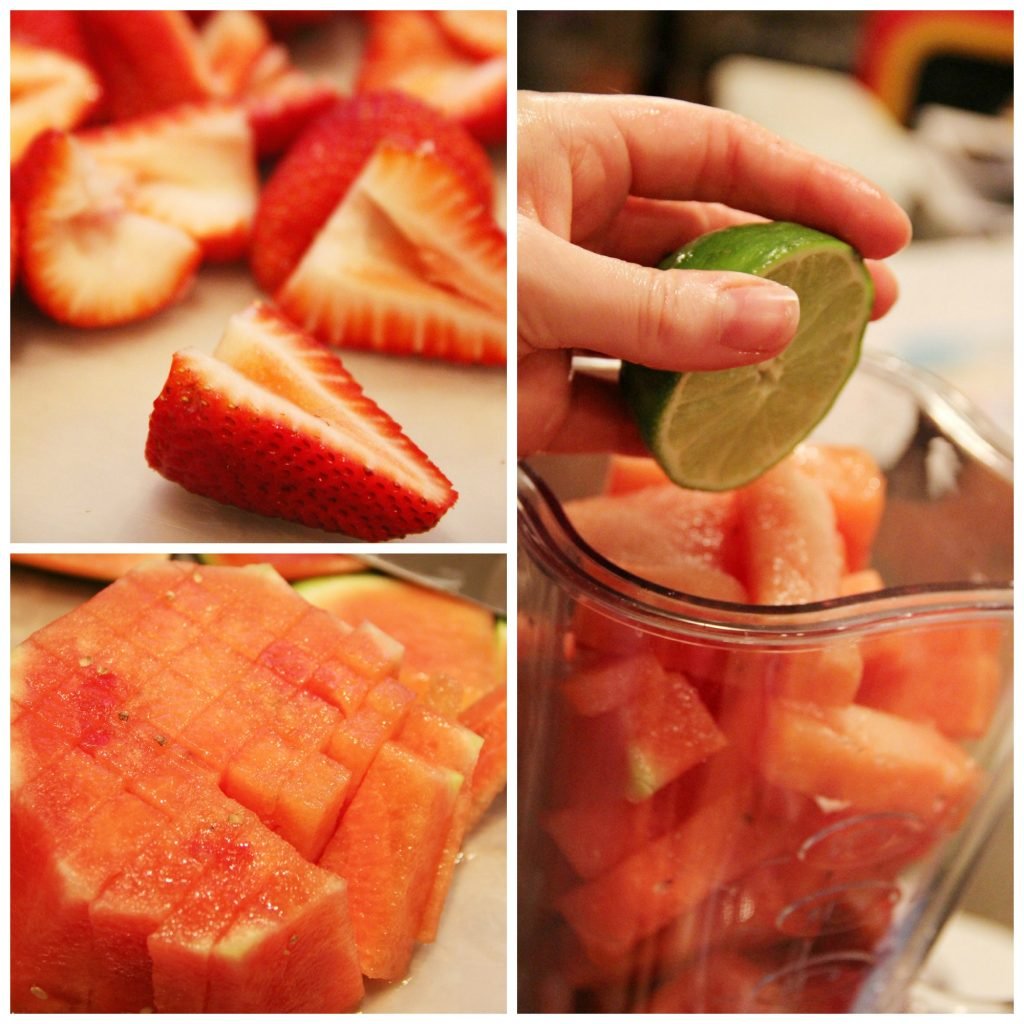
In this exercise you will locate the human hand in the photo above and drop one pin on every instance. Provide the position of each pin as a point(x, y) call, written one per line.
point(607, 186)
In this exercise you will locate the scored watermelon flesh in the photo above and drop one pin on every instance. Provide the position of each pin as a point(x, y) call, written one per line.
point(442, 634)
point(164, 744)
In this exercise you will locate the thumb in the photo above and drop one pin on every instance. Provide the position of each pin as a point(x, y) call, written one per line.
point(569, 297)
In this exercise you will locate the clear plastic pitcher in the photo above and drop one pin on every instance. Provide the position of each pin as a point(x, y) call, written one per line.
point(731, 808)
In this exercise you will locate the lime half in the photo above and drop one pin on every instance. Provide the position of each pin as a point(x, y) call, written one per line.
point(718, 429)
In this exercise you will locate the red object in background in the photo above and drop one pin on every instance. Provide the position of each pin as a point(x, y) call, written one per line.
point(897, 46)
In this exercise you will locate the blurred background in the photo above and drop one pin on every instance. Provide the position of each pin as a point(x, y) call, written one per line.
point(921, 102)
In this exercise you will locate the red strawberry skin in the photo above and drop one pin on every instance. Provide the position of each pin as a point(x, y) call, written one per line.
point(234, 453)
point(317, 171)
point(53, 30)
point(147, 60)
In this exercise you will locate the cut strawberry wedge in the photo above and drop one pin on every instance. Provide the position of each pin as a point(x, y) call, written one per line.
point(87, 257)
point(389, 273)
point(411, 52)
point(232, 42)
point(318, 170)
point(147, 60)
point(49, 89)
point(248, 66)
point(276, 425)
point(458, 242)
point(192, 167)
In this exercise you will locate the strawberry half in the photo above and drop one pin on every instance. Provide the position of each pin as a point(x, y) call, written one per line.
point(49, 89)
point(273, 423)
point(87, 258)
point(411, 52)
point(408, 263)
point(192, 167)
point(147, 60)
point(318, 170)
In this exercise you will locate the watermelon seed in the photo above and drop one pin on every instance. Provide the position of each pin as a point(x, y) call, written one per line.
point(161, 740)
point(197, 577)
point(123, 715)
point(38, 992)
point(170, 595)
point(293, 940)
point(234, 819)
point(84, 662)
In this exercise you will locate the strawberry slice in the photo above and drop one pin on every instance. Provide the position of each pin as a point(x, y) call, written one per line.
point(409, 51)
point(480, 34)
point(232, 42)
point(49, 89)
point(273, 423)
point(88, 259)
point(192, 167)
point(459, 243)
point(247, 65)
point(318, 170)
point(393, 268)
point(147, 60)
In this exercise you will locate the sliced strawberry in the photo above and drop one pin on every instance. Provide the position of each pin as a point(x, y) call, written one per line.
point(282, 101)
point(409, 51)
point(48, 90)
point(88, 259)
point(147, 60)
point(459, 244)
point(276, 425)
point(365, 284)
point(232, 42)
point(480, 34)
point(318, 170)
point(192, 167)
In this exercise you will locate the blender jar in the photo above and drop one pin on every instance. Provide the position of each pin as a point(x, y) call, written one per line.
point(738, 808)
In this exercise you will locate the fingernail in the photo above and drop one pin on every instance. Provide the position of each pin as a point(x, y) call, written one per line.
point(759, 317)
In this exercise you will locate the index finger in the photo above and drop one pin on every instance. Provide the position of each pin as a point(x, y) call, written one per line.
point(681, 150)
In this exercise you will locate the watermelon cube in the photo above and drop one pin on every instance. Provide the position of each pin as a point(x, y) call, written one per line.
point(447, 744)
point(389, 848)
point(793, 553)
point(950, 677)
